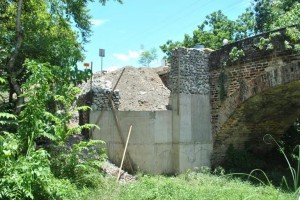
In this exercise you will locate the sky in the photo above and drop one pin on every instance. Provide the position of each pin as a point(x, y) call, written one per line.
point(123, 30)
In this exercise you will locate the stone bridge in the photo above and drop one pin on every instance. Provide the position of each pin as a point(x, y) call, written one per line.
point(255, 94)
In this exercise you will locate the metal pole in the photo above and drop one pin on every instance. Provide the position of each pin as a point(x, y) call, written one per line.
point(92, 75)
point(101, 64)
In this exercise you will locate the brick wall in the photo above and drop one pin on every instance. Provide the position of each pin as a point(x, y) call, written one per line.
point(258, 73)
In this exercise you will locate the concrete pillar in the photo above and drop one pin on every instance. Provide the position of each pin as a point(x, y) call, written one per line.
point(191, 116)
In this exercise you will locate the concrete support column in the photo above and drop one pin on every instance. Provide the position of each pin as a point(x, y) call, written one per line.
point(191, 116)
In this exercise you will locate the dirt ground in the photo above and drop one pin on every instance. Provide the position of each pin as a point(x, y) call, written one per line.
point(141, 89)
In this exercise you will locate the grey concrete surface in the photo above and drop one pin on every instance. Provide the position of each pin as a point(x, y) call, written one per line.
point(161, 141)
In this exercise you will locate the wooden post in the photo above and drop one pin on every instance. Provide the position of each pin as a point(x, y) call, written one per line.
point(109, 99)
point(124, 153)
point(120, 134)
point(116, 119)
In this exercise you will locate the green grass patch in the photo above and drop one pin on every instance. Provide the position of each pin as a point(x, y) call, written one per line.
point(190, 185)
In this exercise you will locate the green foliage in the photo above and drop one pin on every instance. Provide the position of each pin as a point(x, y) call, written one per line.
point(189, 185)
point(240, 160)
point(169, 46)
point(81, 163)
point(222, 85)
point(27, 176)
point(236, 54)
point(45, 113)
point(38, 57)
point(7, 119)
point(271, 42)
point(214, 30)
point(294, 171)
point(45, 33)
point(262, 16)
point(270, 14)
point(26, 172)
point(147, 57)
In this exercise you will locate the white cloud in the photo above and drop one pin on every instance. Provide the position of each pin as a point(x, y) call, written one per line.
point(98, 22)
point(125, 57)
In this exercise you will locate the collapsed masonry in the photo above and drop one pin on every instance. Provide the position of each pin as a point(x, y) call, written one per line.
point(138, 89)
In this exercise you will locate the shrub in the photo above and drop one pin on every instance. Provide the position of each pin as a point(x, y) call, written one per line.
point(81, 163)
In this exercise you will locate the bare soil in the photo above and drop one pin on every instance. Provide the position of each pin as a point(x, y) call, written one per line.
point(141, 89)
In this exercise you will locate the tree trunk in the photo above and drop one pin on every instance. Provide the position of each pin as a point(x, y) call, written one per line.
point(11, 66)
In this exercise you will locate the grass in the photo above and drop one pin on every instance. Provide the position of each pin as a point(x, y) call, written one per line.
point(190, 185)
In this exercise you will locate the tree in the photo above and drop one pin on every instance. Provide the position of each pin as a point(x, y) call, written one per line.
point(41, 30)
point(169, 46)
point(38, 54)
point(212, 31)
point(147, 57)
point(271, 14)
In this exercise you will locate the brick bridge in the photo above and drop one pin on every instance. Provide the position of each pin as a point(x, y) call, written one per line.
point(257, 94)
point(216, 100)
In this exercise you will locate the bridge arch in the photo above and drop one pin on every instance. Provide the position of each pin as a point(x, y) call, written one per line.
point(272, 111)
point(262, 93)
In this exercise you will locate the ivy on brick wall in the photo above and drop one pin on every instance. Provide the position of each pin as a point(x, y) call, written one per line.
point(287, 40)
point(222, 89)
point(235, 55)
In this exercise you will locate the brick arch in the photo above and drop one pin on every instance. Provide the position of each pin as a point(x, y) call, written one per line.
point(261, 87)
point(268, 102)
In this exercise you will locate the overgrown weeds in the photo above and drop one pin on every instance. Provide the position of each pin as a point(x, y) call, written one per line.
point(243, 161)
point(189, 185)
point(294, 171)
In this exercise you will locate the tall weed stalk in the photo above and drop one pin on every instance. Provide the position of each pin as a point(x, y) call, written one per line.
point(295, 172)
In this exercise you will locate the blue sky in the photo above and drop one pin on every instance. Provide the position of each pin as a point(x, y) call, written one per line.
point(123, 29)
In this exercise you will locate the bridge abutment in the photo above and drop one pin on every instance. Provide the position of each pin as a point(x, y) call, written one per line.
point(188, 81)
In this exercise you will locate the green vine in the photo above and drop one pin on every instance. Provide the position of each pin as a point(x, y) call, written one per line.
point(222, 89)
point(268, 43)
point(235, 55)
point(291, 41)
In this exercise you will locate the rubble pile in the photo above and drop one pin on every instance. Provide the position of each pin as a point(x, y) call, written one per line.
point(139, 89)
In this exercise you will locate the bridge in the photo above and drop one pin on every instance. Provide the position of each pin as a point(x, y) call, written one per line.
point(216, 100)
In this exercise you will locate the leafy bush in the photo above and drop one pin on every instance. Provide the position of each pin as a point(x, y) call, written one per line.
point(81, 163)
point(27, 171)
point(237, 160)
point(27, 176)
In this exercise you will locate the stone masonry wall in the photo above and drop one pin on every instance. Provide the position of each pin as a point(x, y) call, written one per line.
point(100, 92)
point(189, 72)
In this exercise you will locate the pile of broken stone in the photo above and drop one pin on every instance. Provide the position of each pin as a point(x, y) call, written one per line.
point(101, 92)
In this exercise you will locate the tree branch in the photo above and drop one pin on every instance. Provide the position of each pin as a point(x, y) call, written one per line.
point(13, 74)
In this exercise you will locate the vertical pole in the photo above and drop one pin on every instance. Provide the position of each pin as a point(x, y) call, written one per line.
point(92, 75)
point(119, 174)
point(178, 84)
point(101, 64)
